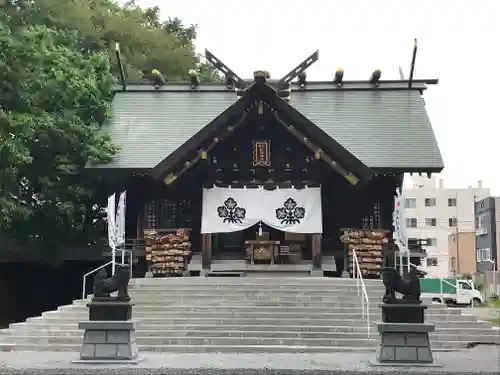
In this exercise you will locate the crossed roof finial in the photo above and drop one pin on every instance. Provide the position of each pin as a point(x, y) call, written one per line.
point(282, 83)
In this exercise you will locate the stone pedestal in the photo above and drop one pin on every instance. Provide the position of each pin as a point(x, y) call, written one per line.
point(404, 343)
point(109, 309)
point(404, 337)
point(403, 313)
point(108, 342)
point(110, 333)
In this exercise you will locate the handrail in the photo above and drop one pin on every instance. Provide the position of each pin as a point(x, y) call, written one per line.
point(84, 292)
point(112, 262)
point(356, 273)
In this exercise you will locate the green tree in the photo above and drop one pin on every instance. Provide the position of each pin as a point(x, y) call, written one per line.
point(53, 99)
point(56, 73)
point(146, 41)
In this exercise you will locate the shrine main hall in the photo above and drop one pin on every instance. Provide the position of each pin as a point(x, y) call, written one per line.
point(250, 176)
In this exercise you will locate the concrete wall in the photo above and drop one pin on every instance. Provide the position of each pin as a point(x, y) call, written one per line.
point(462, 252)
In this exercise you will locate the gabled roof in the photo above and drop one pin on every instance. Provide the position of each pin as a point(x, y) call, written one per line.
point(149, 125)
point(385, 127)
point(348, 164)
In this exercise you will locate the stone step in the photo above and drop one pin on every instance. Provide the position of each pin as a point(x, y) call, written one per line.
point(259, 288)
point(297, 281)
point(156, 304)
point(75, 348)
point(139, 309)
point(215, 299)
point(228, 341)
point(228, 318)
point(238, 320)
point(256, 313)
point(254, 303)
point(445, 327)
point(248, 292)
point(183, 340)
point(200, 334)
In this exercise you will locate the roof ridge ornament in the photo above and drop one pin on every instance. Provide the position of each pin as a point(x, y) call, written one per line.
point(412, 66)
point(294, 73)
point(230, 76)
point(120, 66)
point(157, 79)
point(261, 76)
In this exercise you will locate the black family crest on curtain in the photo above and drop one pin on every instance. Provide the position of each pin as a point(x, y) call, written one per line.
point(230, 212)
point(290, 213)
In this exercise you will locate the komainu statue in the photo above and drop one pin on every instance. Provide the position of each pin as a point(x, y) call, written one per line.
point(409, 286)
point(104, 286)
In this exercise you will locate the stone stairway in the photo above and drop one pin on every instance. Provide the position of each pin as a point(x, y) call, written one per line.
point(245, 315)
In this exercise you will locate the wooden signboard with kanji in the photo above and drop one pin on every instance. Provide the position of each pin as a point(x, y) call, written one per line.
point(262, 153)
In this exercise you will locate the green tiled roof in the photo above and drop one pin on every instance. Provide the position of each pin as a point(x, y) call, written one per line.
point(383, 129)
point(148, 126)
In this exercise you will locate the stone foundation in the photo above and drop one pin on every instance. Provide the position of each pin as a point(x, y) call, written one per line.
point(109, 341)
point(404, 343)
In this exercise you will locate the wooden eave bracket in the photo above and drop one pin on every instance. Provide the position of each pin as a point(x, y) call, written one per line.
point(318, 152)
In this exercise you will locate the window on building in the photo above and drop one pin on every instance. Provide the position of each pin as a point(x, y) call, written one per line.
point(481, 221)
point(432, 262)
point(483, 255)
point(452, 202)
point(410, 203)
point(453, 264)
point(452, 222)
point(412, 241)
point(430, 202)
point(432, 242)
point(411, 222)
point(430, 221)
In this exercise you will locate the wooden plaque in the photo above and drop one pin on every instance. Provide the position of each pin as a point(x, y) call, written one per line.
point(262, 153)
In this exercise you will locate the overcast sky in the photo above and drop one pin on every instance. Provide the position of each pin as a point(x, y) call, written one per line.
point(459, 43)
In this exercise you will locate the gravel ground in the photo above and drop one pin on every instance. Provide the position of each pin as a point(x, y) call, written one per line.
point(480, 360)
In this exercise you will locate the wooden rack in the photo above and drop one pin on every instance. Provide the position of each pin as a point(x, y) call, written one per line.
point(168, 251)
point(370, 246)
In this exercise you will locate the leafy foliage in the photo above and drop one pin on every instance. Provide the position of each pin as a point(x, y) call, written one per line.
point(146, 42)
point(53, 100)
point(56, 76)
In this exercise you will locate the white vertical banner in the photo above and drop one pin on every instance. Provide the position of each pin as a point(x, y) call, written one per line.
point(120, 220)
point(399, 222)
point(111, 221)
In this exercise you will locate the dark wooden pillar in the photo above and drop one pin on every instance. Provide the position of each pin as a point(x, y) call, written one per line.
point(316, 251)
point(206, 250)
point(141, 217)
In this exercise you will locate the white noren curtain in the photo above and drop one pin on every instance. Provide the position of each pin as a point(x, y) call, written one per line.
point(290, 210)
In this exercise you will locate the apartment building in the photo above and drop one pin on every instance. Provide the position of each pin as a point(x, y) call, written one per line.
point(434, 212)
point(462, 256)
point(487, 213)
